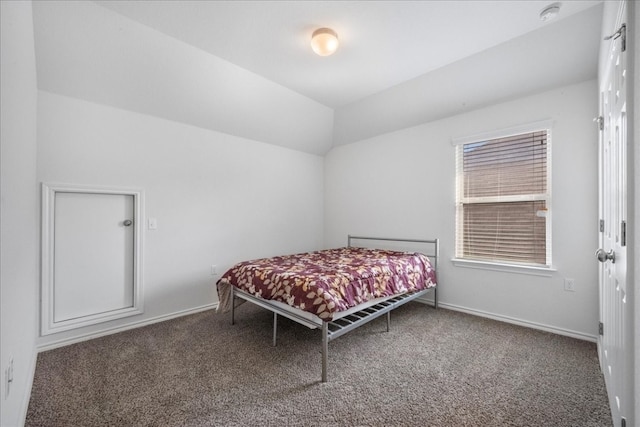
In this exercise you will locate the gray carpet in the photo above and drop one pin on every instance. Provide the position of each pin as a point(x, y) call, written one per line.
point(434, 368)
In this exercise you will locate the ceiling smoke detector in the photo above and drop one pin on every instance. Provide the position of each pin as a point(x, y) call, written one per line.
point(550, 12)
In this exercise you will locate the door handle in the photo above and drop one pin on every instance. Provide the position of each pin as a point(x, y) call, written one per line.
point(606, 256)
point(127, 222)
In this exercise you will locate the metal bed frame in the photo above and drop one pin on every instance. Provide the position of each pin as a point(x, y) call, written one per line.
point(351, 319)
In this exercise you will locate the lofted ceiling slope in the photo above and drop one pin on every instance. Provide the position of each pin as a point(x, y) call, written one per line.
point(245, 67)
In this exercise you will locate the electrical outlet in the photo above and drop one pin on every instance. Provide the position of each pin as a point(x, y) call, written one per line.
point(569, 285)
point(214, 270)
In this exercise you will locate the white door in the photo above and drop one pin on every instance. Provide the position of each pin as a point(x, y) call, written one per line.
point(91, 256)
point(614, 346)
point(93, 253)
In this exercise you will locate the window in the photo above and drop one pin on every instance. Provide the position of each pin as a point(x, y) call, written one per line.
point(503, 196)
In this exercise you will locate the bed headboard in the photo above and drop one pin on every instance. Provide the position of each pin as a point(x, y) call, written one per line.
point(430, 248)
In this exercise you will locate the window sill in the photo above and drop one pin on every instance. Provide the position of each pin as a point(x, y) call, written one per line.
point(504, 267)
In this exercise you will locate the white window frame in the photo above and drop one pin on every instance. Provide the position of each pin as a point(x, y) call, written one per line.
point(513, 267)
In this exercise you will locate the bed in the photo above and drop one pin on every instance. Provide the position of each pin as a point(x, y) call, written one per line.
point(335, 290)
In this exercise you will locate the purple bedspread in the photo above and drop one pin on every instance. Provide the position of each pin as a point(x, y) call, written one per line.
point(333, 280)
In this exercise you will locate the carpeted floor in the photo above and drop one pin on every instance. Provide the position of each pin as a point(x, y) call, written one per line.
point(434, 368)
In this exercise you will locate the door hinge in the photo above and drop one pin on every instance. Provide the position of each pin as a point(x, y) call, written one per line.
point(602, 225)
point(600, 121)
point(600, 328)
point(623, 422)
point(622, 34)
point(623, 233)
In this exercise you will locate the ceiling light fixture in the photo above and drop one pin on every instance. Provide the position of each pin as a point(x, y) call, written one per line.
point(550, 12)
point(324, 41)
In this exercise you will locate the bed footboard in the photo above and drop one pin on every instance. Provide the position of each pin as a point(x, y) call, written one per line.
point(337, 328)
point(342, 325)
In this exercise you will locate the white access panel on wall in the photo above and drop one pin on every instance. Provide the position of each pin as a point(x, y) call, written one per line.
point(91, 256)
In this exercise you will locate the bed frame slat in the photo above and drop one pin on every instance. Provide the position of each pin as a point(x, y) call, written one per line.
point(396, 302)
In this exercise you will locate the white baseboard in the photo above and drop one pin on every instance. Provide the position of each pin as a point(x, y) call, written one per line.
point(128, 326)
point(480, 313)
point(27, 396)
point(520, 322)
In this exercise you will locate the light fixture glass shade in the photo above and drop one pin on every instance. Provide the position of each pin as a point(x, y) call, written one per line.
point(324, 41)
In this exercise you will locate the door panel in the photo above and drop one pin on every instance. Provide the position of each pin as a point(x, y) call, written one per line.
point(613, 344)
point(91, 255)
point(93, 271)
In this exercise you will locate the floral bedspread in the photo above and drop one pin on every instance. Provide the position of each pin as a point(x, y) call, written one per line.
point(333, 280)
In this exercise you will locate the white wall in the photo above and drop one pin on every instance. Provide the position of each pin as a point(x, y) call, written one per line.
point(90, 52)
point(19, 208)
point(218, 199)
point(510, 70)
point(402, 184)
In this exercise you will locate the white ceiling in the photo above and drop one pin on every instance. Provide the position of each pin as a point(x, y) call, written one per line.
point(382, 43)
point(245, 68)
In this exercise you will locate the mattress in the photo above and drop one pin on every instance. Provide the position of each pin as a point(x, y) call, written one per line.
point(326, 283)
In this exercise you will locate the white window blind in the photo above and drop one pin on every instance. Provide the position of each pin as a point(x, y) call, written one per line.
point(503, 197)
